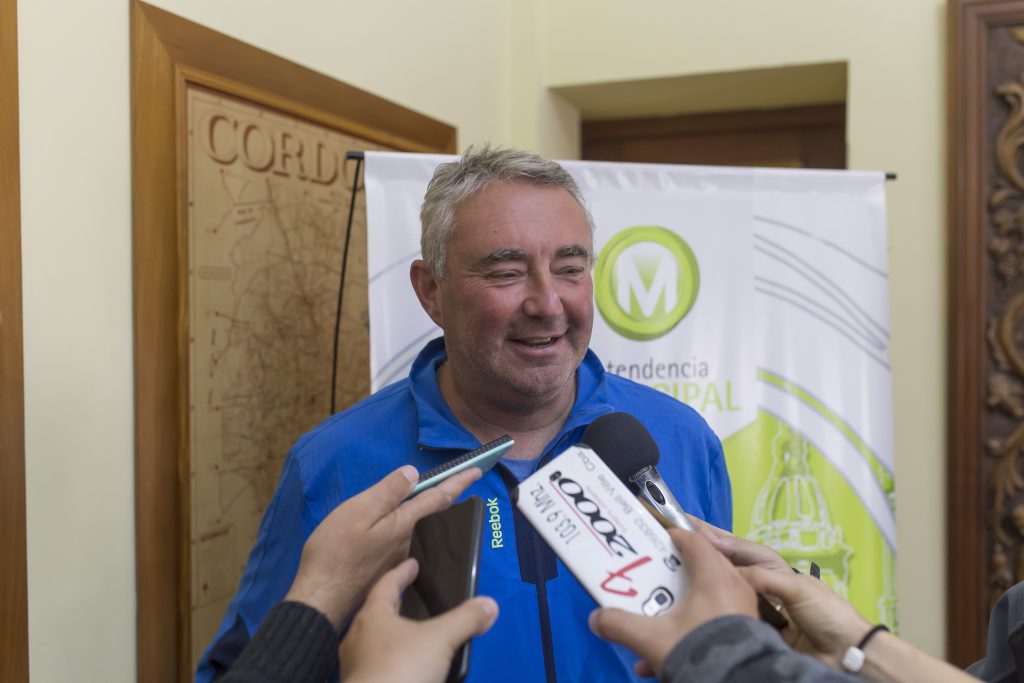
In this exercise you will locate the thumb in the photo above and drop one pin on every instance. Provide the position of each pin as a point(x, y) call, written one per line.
point(386, 594)
point(469, 619)
point(383, 497)
point(620, 626)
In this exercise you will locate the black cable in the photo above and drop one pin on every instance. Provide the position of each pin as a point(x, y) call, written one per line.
point(344, 267)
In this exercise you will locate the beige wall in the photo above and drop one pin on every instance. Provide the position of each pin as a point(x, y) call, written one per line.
point(78, 357)
point(483, 67)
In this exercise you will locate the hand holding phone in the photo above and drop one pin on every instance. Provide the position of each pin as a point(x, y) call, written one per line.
point(447, 547)
point(382, 645)
point(362, 538)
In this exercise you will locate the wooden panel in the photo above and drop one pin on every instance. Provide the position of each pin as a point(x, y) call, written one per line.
point(167, 54)
point(985, 417)
point(155, 305)
point(13, 577)
point(811, 137)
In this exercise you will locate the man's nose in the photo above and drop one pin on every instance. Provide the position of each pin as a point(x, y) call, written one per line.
point(542, 298)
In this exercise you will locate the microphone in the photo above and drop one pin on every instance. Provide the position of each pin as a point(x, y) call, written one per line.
point(626, 446)
point(629, 450)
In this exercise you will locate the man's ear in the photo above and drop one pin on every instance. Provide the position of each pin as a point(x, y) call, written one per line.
point(427, 290)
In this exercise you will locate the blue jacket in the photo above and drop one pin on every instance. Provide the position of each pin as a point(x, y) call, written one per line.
point(541, 633)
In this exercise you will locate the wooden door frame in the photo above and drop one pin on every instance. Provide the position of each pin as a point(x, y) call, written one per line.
point(814, 123)
point(972, 493)
point(13, 559)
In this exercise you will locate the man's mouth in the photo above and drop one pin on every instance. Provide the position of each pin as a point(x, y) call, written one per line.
point(538, 342)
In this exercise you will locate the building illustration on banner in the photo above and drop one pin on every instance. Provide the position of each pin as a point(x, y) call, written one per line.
point(791, 514)
point(826, 492)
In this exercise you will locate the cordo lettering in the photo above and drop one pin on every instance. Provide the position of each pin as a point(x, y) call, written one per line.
point(263, 147)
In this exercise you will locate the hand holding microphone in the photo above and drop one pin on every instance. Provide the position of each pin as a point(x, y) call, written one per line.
point(724, 572)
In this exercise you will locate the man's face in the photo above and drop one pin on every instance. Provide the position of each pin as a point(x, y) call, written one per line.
point(516, 304)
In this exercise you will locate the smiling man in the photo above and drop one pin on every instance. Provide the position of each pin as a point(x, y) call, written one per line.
point(507, 246)
point(515, 300)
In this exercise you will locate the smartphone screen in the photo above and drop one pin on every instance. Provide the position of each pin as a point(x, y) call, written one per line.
point(447, 547)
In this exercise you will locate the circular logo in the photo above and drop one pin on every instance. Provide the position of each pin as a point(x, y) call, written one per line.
point(645, 281)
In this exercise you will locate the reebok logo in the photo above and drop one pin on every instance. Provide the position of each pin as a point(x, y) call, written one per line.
point(495, 522)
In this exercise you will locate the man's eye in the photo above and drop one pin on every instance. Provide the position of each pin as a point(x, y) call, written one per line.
point(504, 275)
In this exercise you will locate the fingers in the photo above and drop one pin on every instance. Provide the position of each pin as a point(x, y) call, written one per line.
point(622, 627)
point(743, 553)
point(469, 619)
point(386, 594)
point(782, 585)
point(383, 497)
point(729, 545)
point(828, 621)
point(699, 555)
point(711, 531)
point(386, 496)
point(643, 669)
point(438, 497)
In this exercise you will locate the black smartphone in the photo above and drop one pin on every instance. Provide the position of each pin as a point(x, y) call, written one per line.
point(447, 546)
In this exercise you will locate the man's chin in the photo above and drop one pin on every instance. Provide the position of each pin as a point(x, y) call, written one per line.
point(540, 383)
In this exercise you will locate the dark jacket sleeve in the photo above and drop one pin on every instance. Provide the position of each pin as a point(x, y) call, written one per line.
point(1004, 653)
point(738, 649)
point(295, 643)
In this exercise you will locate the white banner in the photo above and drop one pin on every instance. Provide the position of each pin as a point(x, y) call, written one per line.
point(757, 296)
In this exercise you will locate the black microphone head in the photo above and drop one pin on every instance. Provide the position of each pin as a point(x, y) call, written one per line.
point(623, 443)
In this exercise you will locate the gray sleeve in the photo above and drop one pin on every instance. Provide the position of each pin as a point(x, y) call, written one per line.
point(738, 649)
point(1005, 647)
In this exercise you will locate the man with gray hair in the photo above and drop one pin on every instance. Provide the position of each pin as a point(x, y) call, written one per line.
point(508, 248)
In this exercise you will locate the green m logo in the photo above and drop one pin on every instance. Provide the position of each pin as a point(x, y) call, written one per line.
point(645, 281)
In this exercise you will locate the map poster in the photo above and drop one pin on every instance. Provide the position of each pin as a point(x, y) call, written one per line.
point(268, 201)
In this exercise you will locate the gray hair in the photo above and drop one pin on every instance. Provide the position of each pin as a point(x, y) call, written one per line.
point(457, 181)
